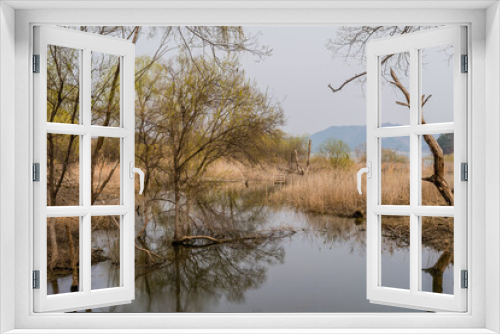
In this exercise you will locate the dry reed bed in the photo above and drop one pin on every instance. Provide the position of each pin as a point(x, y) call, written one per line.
point(335, 192)
point(329, 191)
point(224, 170)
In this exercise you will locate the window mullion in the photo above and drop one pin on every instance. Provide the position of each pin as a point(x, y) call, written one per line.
point(396, 131)
point(392, 210)
point(414, 161)
point(434, 129)
point(86, 156)
point(103, 131)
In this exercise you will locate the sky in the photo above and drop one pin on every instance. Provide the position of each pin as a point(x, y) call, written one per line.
point(301, 67)
point(298, 73)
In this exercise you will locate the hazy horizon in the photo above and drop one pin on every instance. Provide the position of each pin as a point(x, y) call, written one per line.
point(301, 67)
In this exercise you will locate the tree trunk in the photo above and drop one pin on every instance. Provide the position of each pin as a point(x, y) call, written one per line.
point(438, 269)
point(54, 252)
point(178, 307)
point(55, 286)
point(147, 211)
point(177, 215)
point(71, 245)
point(186, 218)
point(299, 170)
point(52, 235)
point(308, 156)
point(438, 177)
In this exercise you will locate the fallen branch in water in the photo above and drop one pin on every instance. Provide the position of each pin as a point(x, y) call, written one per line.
point(187, 240)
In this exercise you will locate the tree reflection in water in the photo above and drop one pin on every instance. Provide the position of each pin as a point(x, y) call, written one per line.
point(194, 276)
point(437, 271)
point(190, 276)
point(200, 277)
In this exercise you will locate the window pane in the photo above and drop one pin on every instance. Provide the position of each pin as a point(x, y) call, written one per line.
point(437, 254)
point(395, 248)
point(63, 170)
point(395, 171)
point(437, 80)
point(105, 171)
point(106, 252)
point(105, 89)
point(63, 85)
point(63, 255)
point(394, 89)
point(437, 169)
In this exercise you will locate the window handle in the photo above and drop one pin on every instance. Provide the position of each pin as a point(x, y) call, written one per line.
point(133, 170)
point(368, 171)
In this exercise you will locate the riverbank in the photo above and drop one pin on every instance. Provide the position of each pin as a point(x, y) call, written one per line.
point(330, 191)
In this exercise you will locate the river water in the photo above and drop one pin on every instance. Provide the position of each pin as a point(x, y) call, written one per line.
point(319, 268)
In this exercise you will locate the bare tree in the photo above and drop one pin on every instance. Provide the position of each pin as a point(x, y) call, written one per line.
point(213, 43)
point(62, 150)
point(207, 116)
point(150, 151)
point(63, 99)
point(351, 42)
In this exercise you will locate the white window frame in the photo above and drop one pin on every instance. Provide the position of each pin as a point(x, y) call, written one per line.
point(483, 21)
point(413, 44)
point(85, 43)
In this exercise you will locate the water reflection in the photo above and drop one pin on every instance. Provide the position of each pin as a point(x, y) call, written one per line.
point(441, 272)
point(319, 267)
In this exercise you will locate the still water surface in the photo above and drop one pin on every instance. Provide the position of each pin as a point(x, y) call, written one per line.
point(320, 268)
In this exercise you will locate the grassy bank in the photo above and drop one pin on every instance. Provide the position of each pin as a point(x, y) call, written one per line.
point(322, 192)
point(332, 191)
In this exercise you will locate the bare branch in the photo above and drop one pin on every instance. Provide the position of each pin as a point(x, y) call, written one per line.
point(400, 86)
point(357, 76)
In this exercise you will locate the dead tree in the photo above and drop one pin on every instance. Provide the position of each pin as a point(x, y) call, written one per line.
point(353, 41)
point(308, 156)
point(437, 178)
point(300, 170)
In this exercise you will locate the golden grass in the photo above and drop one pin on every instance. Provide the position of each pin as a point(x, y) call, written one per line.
point(328, 191)
point(224, 170)
point(335, 191)
point(322, 190)
point(108, 173)
point(69, 191)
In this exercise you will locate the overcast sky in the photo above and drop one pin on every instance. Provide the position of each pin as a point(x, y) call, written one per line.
point(300, 68)
point(298, 73)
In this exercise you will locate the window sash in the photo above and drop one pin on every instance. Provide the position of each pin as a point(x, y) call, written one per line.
point(413, 298)
point(86, 297)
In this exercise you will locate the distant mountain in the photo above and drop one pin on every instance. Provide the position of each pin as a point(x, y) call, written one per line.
point(355, 135)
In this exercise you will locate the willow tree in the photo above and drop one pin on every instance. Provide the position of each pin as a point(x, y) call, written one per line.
point(63, 101)
point(210, 111)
